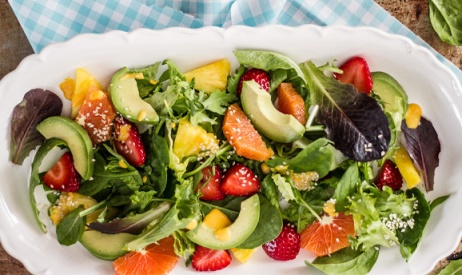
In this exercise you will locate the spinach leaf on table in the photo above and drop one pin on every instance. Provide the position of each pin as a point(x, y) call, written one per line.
point(446, 19)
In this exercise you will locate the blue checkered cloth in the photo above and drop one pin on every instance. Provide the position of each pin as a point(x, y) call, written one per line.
point(48, 21)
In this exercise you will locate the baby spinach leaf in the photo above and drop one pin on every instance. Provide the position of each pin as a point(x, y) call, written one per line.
point(438, 201)
point(446, 20)
point(34, 180)
point(36, 105)
point(157, 161)
point(269, 225)
point(347, 262)
point(354, 121)
point(70, 228)
point(346, 186)
point(424, 147)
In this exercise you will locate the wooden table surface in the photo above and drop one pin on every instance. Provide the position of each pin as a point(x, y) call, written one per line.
point(14, 47)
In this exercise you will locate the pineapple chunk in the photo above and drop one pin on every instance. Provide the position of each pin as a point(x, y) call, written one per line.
point(243, 254)
point(194, 140)
point(406, 167)
point(216, 219)
point(83, 81)
point(69, 201)
point(210, 77)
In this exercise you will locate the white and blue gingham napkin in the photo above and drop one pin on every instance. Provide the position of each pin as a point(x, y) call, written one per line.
point(48, 21)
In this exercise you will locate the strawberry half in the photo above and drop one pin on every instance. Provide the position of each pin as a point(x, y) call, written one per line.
point(127, 141)
point(356, 72)
point(258, 75)
point(206, 259)
point(389, 175)
point(286, 246)
point(63, 176)
point(209, 186)
point(239, 180)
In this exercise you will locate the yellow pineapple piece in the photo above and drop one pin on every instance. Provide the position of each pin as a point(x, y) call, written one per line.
point(194, 140)
point(68, 202)
point(83, 81)
point(406, 167)
point(210, 77)
point(216, 219)
point(413, 115)
point(243, 254)
point(67, 86)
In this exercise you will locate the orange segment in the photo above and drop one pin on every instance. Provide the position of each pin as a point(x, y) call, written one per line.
point(155, 259)
point(291, 102)
point(243, 137)
point(67, 86)
point(96, 115)
point(329, 235)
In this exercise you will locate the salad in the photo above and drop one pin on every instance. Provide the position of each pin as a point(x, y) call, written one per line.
point(211, 165)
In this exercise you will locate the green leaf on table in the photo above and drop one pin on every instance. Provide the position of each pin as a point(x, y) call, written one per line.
point(453, 268)
point(446, 20)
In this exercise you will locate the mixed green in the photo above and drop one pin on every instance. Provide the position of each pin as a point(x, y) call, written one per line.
point(350, 152)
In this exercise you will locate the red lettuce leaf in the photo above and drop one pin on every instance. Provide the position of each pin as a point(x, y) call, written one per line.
point(424, 147)
point(354, 121)
point(36, 105)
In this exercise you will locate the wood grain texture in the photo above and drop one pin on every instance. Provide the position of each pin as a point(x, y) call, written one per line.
point(14, 47)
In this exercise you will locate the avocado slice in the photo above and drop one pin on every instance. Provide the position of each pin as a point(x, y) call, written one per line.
point(106, 246)
point(390, 92)
point(237, 232)
point(127, 101)
point(75, 137)
point(257, 105)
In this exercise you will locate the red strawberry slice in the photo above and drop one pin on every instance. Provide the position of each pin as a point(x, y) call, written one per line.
point(239, 180)
point(258, 75)
point(128, 141)
point(356, 72)
point(389, 175)
point(63, 176)
point(206, 259)
point(286, 246)
point(209, 186)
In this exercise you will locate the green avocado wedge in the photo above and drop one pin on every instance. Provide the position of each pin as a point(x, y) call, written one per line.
point(259, 108)
point(76, 139)
point(127, 101)
point(106, 246)
point(239, 230)
point(391, 93)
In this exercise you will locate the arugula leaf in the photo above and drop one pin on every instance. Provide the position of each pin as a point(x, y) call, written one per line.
point(318, 156)
point(34, 180)
point(347, 262)
point(36, 105)
point(70, 228)
point(424, 147)
point(185, 209)
point(354, 121)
